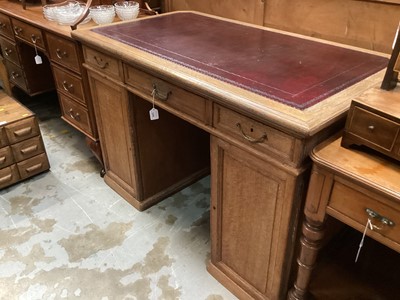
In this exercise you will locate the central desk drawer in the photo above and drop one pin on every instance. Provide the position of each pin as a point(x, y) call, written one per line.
point(258, 135)
point(353, 205)
point(29, 33)
point(172, 96)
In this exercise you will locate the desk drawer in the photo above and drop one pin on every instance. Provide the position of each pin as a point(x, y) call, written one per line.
point(6, 27)
point(64, 52)
point(352, 204)
point(9, 50)
point(170, 95)
point(75, 114)
point(8, 176)
point(16, 75)
point(104, 63)
point(69, 84)
point(22, 130)
point(374, 128)
point(29, 33)
point(253, 133)
point(28, 148)
point(6, 157)
point(33, 166)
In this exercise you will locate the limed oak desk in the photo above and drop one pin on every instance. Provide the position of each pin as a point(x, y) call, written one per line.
point(252, 93)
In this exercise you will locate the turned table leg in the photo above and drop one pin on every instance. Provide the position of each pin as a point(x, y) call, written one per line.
point(310, 244)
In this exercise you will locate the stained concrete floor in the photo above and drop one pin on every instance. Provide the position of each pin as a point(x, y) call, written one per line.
point(66, 235)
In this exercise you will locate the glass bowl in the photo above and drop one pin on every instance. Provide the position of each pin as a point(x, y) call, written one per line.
point(127, 10)
point(102, 14)
point(68, 15)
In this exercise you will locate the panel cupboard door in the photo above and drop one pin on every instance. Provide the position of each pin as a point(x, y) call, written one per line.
point(251, 222)
point(113, 116)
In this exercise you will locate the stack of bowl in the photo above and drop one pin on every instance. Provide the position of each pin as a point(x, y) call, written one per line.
point(127, 10)
point(102, 14)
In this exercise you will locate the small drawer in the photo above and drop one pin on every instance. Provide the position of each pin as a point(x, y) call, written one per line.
point(8, 176)
point(9, 50)
point(253, 133)
point(22, 130)
point(104, 63)
point(29, 33)
point(75, 114)
point(168, 94)
point(69, 84)
point(374, 128)
point(3, 137)
point(33, 166)
point(64, 52)
point(16, 75)
point(6, 27)
point(350, 206)
point(28, 148)
point(6, 157)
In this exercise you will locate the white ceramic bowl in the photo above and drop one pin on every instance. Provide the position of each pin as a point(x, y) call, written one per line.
point(127, 10)
point(102, 14)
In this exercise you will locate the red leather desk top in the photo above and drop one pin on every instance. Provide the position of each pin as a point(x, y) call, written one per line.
point(291, 70)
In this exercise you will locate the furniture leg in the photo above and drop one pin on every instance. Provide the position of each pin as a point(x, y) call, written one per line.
point(310, 243)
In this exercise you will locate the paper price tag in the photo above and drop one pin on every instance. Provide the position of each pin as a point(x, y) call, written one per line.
point(154, 114)
point(38, 60)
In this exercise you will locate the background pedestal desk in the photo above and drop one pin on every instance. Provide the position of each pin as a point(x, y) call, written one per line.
point(258, 154)
point(351, 186)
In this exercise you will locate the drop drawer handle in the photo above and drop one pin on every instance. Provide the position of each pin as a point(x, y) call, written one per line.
point(23, 131)
point(61, 54)
point(374, 215)
point(67, 87)
point(34, 168)
point(249, 138)
point(34, 38)
point(73, 115)
point(14, 75)
point(17, 30)
point(100, 62)
point(371, 128)
point(5, 178)
point(7, 51)
point(30, 149)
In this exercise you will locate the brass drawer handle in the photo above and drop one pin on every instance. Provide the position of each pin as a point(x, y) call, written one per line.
point(14, 75)
point(75, 116)
point(23, 131)
point(261, 139)
point(100, 62)
point(61, 54)
point(161, 92)
point(5, 178)
point(34, 38)
point(30, 149)
point(380, 218)
point(67, 87)
point(34, 168)
point(7, 51)
point(371, 128)
point(17, 30)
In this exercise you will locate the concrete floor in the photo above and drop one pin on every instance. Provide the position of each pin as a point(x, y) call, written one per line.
point(66, 235)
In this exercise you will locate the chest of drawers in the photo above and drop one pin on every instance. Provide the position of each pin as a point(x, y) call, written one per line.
point(22, 152)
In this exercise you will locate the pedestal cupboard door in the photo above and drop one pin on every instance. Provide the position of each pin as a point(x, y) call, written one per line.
point(250, 217)
point(113, 111)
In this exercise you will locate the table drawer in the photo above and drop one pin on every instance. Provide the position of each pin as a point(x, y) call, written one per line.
point(28, 148)
point(374, 128)
point(16, 75)
point(9, 50)
point(253, 133)
point(6, 27)
point(104, 63)
point(6, 157)
point(8, 176)
point(75, 114)
point(64, 52)
point(170, 95)
point(33, 166)
point(69, 84)
point(22, 130)
point(352, 204)
point(29, 33)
